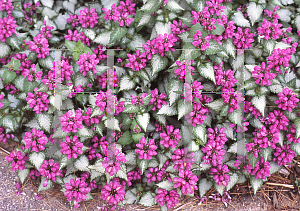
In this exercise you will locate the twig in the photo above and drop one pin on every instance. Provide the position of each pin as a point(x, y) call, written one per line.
point(7, 152)
point(283, 185)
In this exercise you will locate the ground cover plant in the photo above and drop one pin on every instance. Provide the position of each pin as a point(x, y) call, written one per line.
point(149, 100)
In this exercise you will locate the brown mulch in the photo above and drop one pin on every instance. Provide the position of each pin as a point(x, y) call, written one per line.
point(278, 193)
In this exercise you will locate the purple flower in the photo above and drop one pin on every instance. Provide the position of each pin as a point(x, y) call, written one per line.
point(183, 160)
point(138, 100)
point(4, 136)
point(134, 175)
point(7, 27)
point(250, 108)
point(157, 100)
point(73, 20)
point(75, 37)
point(164, 43)
point(37, 140)
point(186, 181)
point(155, 174)
point(262, 75)
point(180, 71)
point(242, 39)
point(220, 176)
point(266, 137)
point(71, 147)
point(292, 135)
point(112, 166)
point(277, 120)
point(287, 100)
point(112, 81)
point(197, 116)
point(71, 122)
point(17, 159)
point(39, 45)
point(204, 19)
point(233, 98)
point(25, 63)
point(270, 29)
point(50, 171)
point(77, 189)
point(38, 101)
point(88, 18)
point(101, 101)
point(6, 5)
point(169, 197)
point(214, 149)
point(171, 138)
point(86, 62)
point(225, 79)
point(202, 43)
point(284, 154)
point(261, 169)
point(146, 151)
point(32, 74)
point(113, 193)
point(136, 62)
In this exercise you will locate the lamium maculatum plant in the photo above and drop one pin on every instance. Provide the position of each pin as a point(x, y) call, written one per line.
point(149, 100)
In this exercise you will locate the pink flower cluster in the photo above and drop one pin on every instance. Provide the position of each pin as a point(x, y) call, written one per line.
point(113, 165)
point(197, 116)
point(65, 69)
point(50, 80)
point(122, 14)
point(270, 29)
point(38, 101)
point(112, 79)
point(114, 192)
point(225, 79)
point(134, 175)
point(180, 71)
point(214, 149)
point(6, 5)
point(17, 159)
point(46, 31)
point(36, 140)
point(75, 90)
point(243, 39)
point(71, 122)
point(280, 58)
point(233, 98)
point(284, 154)
point(156, 175)
point(204, 19)
point(277, 120)
point(186, 181)
point(39, 45)
point(71, 147)
point(77, 189)
point(182, 159)
point(7, 27)
point(3, 135)
point(99, 51)
point(162, 44)
point(146, 150)
point(248, 107)
point(178, 28)
point(86, 62)
point(266, 137)
point(201, 42)
point(75, 37)
point(220, 176)
point(292, 135)
point(25, 63)
point(138, 100)
point(157, 100)
point(32, 74)
point(107, 105)
point(136, 62)
point(73, 20)
point(262, 75)
point(169, 197)
point(261, 169)
point(287, 100)
point(171, 138)
point(88, 18)
point(50, 170)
